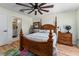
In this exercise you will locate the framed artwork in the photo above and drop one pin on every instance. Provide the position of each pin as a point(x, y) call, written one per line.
point(36, 25)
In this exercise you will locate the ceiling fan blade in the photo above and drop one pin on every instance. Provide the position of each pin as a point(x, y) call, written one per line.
point(23, 5)
point(31, 11)
point(31, 4)
point(40, 12)
point(50, 6)
point(24, 9)
point(42, 4)
point(35, 12)
point(44, 10)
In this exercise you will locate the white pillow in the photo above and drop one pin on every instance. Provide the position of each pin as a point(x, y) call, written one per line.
point(48, 31)
point(45, 31)
point(42, 31)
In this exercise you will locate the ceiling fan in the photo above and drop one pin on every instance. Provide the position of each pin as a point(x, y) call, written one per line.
point(36, 7)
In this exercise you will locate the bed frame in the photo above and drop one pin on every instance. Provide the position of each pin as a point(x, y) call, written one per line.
point(39, 48)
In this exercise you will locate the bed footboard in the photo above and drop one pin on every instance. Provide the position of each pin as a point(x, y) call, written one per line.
point(38, 48)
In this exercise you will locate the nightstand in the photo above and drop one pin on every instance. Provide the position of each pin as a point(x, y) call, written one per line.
point(35, 30)
point(36, 27)
point(65, 38)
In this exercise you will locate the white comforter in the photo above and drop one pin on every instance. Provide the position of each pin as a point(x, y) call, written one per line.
point(42, 37)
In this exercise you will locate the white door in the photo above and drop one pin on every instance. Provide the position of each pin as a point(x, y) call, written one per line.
point(3, 30)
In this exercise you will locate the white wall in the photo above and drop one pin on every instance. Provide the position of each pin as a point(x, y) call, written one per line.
point(27, 21)
point(78, 22)
point(77, 27)
point(45, 19)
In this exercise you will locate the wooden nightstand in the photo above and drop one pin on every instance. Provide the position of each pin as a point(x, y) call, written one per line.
point(35, 30)
point(36, 27)
point(65, 38)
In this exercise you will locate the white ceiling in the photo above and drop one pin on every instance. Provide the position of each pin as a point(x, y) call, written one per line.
point(58, 7)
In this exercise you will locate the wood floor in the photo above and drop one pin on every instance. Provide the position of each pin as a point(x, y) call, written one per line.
point(4, 48)
point(63, 50)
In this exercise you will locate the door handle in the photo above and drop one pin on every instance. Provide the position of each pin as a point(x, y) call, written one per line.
point(5, 31)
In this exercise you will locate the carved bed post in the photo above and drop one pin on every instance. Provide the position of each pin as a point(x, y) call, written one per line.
point(50, 42)
point(21, 38)
point(50, 36)
point(55, 25)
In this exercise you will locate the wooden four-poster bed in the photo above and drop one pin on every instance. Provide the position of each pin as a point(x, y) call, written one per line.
point(39, 48)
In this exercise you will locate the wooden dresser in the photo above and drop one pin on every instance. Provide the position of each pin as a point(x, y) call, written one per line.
point(65, 38)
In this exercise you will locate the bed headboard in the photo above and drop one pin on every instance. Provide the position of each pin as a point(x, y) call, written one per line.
point(50, 26)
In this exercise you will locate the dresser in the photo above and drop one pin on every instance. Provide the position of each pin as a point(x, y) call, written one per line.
point(65, 38)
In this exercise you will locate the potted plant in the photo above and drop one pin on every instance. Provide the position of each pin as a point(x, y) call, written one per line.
point(68, 27)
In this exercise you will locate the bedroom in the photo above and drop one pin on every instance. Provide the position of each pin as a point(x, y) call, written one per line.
point(65, 16)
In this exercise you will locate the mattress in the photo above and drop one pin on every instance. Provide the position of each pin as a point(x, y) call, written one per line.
point(42, 37)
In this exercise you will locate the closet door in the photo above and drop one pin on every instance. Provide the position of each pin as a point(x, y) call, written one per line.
point(3, 30)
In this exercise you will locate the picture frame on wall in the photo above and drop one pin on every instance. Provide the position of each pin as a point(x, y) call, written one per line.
point(36, 25)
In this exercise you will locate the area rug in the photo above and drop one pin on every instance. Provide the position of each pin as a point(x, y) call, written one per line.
point(25, 52)
point(12, 52)
point(17, 52)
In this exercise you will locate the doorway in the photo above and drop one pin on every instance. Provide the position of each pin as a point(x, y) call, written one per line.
point(16, 26)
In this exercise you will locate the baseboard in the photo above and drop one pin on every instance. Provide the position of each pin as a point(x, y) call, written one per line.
point(77, 43)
